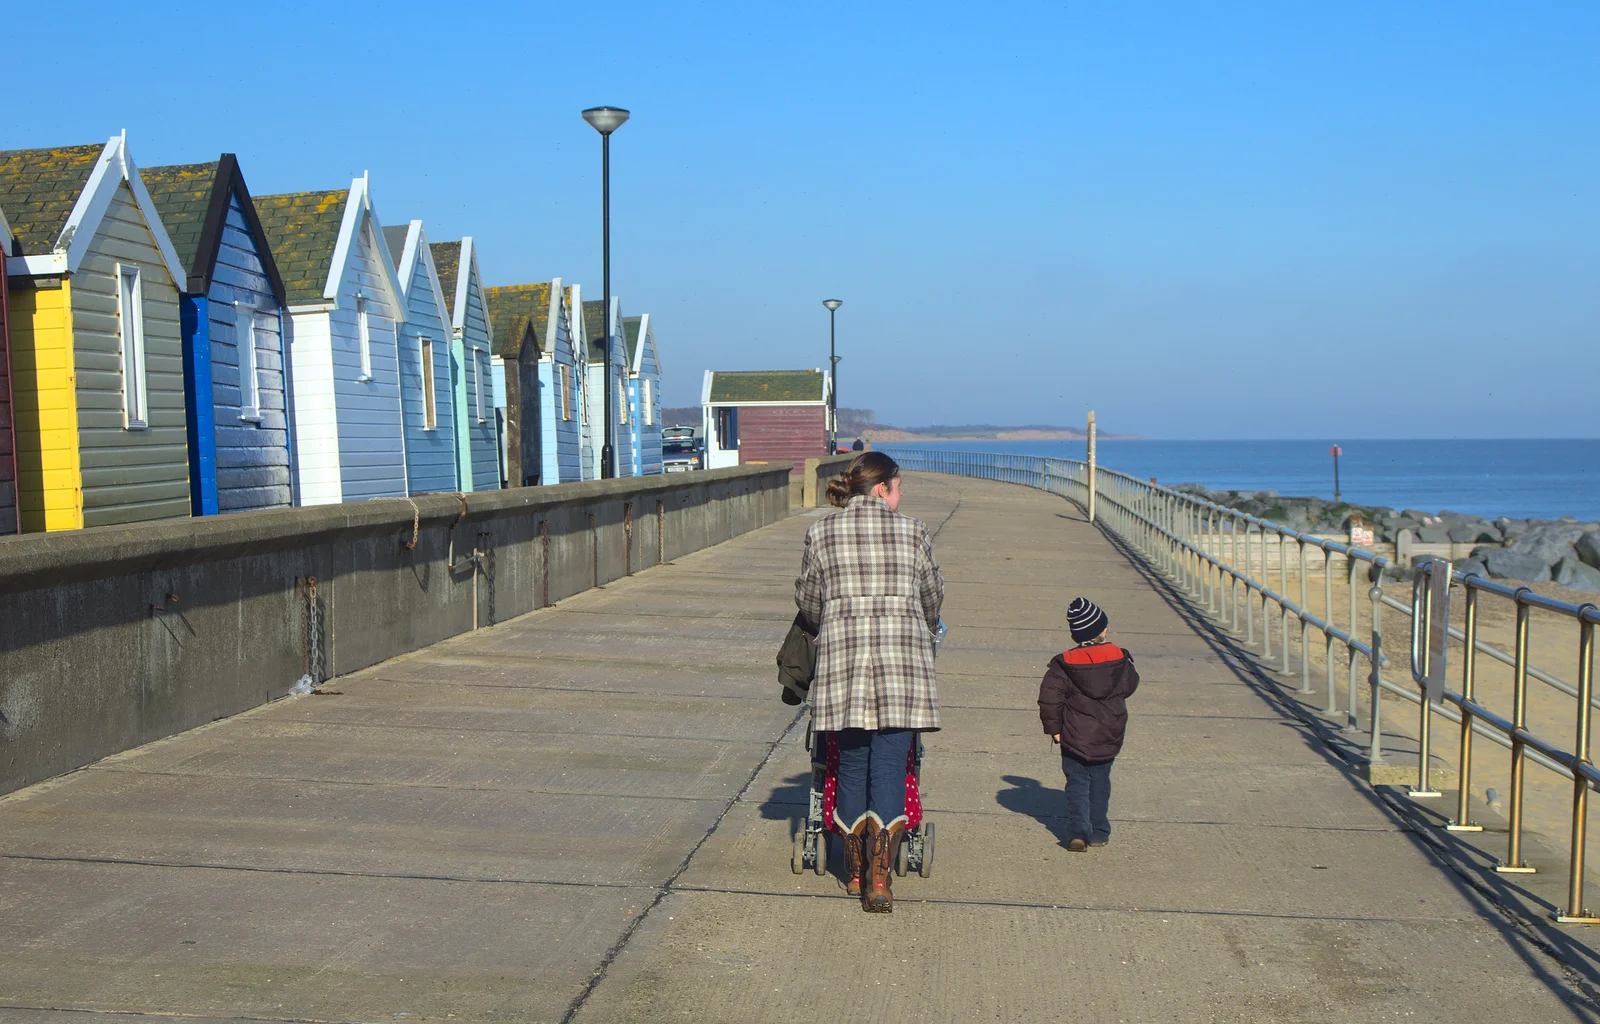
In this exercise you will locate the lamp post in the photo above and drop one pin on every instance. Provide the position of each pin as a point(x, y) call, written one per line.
point(833, 379)
point(606, 120)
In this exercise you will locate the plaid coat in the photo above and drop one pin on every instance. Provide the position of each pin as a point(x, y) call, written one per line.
point(869, 579)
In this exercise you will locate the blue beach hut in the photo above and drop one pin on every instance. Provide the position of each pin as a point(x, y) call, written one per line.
point(424, 348)
point(644, 394)
point(547, 308)
point(235, 359)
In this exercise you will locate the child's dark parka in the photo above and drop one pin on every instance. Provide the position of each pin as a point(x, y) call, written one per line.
point(1082, 697)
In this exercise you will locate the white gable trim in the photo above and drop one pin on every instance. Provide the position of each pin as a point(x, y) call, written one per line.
point(114, 167)
point(644, 339)
point(7, 239)
point(408, 256)
point(359, 215)
point(48, 265)
point(458, 309)
point(576, 332)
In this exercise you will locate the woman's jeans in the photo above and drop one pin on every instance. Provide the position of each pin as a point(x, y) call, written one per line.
point(872, 774)
point(1088, 799)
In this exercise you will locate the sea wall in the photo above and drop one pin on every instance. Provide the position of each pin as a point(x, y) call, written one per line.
point(117, 636)
point(1564, 551)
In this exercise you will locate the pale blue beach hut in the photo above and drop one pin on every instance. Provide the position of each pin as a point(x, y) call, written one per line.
point(644, 394)
point(344, 301)
point(424, 345)
point(547, 306)
point(472, 355)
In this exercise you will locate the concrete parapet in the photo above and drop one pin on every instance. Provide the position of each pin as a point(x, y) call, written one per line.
point(814, 481)
point(117, 636)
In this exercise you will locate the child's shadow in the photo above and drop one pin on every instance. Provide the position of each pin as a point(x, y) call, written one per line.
point(1030, 797)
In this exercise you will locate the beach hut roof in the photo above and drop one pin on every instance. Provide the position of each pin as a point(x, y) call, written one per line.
point(738, 387)
point(193, 201)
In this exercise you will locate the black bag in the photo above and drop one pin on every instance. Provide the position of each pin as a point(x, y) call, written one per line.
point(797, 660)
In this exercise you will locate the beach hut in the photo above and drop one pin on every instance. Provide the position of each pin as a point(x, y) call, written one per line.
point(95, 341)
point(344, 301)
point(644, 394)
point(9, 523)
point(764, 416)
point(234, 351)
point(472, 342)
point(597, 376)
point(426, 396)
point(535, 355)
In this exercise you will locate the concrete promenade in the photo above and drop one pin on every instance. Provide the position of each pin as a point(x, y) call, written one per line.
point(583, 814)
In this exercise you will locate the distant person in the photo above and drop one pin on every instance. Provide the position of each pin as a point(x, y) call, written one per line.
point(868, 580)
point(859, 446)
point(1082, 704)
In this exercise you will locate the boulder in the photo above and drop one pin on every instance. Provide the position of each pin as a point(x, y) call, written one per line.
point(1474, 531)
point(1575, 575)
point(1588, 548)
point(1433, 535)
point(1550, 544)
point(1511, 529)
point(1511, 564)
point(1472, 567)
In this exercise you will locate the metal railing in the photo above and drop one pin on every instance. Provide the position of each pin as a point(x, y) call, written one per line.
point(1219, 557)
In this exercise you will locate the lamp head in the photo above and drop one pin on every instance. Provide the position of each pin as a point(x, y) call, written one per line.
point(832, 304)
point(605, 120)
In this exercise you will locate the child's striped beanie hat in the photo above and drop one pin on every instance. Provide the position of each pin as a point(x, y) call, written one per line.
point(1085, 619)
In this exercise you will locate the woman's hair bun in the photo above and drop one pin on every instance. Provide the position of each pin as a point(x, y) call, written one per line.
point(867, 470)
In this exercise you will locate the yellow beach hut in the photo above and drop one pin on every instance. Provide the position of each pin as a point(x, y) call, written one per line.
point(97, 357)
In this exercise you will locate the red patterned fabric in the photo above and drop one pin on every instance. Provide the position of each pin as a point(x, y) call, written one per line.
point(830, 786)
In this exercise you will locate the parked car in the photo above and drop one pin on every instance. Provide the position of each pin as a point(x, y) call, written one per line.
point(670, 433)
point(682, 454)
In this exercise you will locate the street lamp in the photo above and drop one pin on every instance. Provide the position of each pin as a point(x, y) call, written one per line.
point(833, 379)
point(606, 120)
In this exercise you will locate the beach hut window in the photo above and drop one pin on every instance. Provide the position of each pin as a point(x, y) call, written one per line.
point(430, 410)
point(566, 393)
point(481, 360)
point(622, 402)
point(727, 428)
point(646, 399)
point(130, 324)
point(244, 334)
point(364, 333)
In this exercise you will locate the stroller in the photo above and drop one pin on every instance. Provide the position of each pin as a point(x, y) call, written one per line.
point(811, 832)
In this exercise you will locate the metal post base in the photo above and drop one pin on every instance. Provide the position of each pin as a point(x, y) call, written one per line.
point(1423, 794)
point(1469, 827)
point(1512, 869)
point(1584, 917)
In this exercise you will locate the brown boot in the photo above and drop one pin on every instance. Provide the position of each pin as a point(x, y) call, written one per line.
point(882, 844)
point(853, 842)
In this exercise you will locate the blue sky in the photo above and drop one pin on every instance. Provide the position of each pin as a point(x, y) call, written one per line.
point(1201, 220)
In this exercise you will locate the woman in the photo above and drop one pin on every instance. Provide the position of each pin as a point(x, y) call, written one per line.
point(869, 581)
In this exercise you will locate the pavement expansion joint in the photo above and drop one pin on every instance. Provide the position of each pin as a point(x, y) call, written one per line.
point(1106, 908)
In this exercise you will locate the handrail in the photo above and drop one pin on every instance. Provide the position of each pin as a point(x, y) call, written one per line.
point(1166, 526)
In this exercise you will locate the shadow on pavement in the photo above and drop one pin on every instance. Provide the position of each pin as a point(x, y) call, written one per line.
point(1039, 802)
point(788, 800)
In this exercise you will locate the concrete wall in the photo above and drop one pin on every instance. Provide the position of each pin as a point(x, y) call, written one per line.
point(114, 637)
point(817, 473)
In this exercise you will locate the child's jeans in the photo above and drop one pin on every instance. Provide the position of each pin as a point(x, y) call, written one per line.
point(1088, 799)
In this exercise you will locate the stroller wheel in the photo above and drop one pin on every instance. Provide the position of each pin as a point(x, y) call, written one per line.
point(902, 859)
point(821, 865)
point(797, 861)
point(926, 867)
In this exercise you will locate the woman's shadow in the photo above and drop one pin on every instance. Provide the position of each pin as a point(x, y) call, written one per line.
point(1031, 797)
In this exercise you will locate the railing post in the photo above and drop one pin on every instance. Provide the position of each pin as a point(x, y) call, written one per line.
point(1469, 671)
point(1093, 484)
point(1305, 650)
point(1283, 595)
point(1350, 720)
point(1375, 678)
point(1327, 634)
point(1249, 600)
point(1576, 913)
point(1519, 720)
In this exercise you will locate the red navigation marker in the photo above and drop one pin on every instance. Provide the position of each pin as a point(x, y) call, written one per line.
point(1336, 451)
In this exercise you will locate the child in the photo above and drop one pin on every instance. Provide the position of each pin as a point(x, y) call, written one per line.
point(1082, 705)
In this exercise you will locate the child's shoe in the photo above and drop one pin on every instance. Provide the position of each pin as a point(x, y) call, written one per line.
point(1077, 846)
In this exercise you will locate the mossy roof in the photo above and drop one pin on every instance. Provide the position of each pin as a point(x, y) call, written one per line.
point(594, 325)
point(182, 194)
point(735, 386)
point(395, 239)
point(303, 230)
point(514, 308)
point(39, 188)
point(630, 334)
point(447, 264)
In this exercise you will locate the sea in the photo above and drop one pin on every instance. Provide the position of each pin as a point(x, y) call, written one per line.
point(1523, 479)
